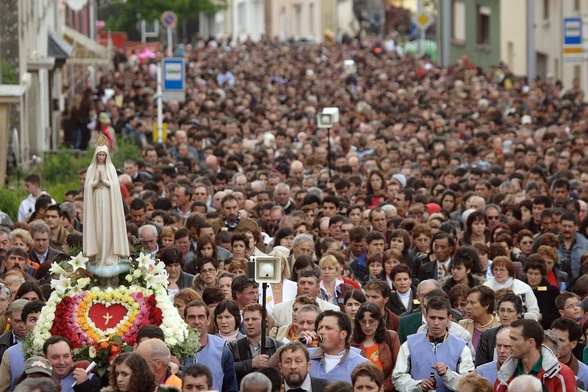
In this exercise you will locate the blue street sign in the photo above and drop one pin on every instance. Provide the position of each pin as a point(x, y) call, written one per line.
point(174, 77)
point(572, 31)
point(169, 19)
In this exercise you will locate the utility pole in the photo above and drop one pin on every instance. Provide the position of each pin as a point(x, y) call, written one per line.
point(422, 35)
point(531, 50)
point(445, 8)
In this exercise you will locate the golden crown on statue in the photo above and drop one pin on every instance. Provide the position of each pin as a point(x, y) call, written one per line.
point(101, 139)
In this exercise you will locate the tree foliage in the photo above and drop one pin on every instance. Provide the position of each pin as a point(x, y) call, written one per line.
point(9, 73)
point(128, 14)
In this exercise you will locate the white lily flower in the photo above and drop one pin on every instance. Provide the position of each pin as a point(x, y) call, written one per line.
point(56, 269)
point(159, 269)
point(144, 260)
point(62, 284)
point(78, 262)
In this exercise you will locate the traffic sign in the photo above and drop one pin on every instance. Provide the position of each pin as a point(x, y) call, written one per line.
point(169, 19)
point(423, 19)
point(174, 79)
point(572, 39)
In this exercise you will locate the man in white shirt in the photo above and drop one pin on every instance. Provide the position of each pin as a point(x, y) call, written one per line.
point(308, 284)
point(33, 188)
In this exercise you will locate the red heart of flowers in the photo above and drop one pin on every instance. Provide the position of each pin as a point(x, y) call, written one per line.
point(105, 317)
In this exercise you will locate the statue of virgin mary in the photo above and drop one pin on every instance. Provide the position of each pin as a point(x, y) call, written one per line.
point(105, 232)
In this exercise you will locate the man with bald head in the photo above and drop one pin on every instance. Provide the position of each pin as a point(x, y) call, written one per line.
point(212, 163)
point(355, 166)
point(157, 355)
point(296, 170)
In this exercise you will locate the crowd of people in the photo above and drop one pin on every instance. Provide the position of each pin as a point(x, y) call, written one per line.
point(434, 238)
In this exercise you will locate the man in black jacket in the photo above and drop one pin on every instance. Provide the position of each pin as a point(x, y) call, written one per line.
point(247, 352)
point(295, 365)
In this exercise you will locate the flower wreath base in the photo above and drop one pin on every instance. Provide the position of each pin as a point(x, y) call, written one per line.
point(102, 322)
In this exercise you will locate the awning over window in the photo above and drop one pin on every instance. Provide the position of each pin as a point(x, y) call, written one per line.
point(58, 47)
point(87, 51)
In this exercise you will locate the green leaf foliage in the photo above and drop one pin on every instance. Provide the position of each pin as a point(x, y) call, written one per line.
point(10, 200)
point(130, 13)
point(9, 73)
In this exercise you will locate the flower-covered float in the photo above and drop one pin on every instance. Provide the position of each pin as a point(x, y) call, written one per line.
point(103, 296)
point(102, 322)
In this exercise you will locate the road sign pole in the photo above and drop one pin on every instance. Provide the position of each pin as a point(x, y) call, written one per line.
point(159, 104)
point(445, 43)
point(531, 51)
point(170, 49)
point(421, 30)
point(584, 78)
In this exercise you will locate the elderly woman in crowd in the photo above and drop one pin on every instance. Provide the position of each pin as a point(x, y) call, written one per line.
point(5, 301)
point(509, 308)
point(503, 271)
point(479, 313)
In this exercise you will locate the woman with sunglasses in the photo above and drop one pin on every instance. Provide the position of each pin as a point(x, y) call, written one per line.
point(377, 344)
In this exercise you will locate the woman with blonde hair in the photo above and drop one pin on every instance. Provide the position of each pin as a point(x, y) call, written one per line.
point(286, 290)
point(183, 298)
point(22, 238)
point(332, 288)
point(236, 265)
point(167, 236)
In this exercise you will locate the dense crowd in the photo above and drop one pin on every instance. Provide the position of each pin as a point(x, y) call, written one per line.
point(434, 238)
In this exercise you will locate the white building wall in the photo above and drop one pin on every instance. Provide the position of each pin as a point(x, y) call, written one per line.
point(296, 19)
point(248, 19)
point(345, 18)
point(338, 17)
point(37, 19)
point(513, 35)
point(549, 40)
point(217, 25)
point(548, 37)
point(549, 15)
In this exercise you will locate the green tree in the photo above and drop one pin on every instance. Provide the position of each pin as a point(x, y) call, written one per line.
point(9, 73)
point(128, 14)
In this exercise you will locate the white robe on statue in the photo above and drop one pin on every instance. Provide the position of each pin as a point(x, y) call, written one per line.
point(105, 231)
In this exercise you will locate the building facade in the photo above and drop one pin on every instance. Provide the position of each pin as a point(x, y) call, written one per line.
point(248, 19)
point(300, 19)
point(475, 31)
